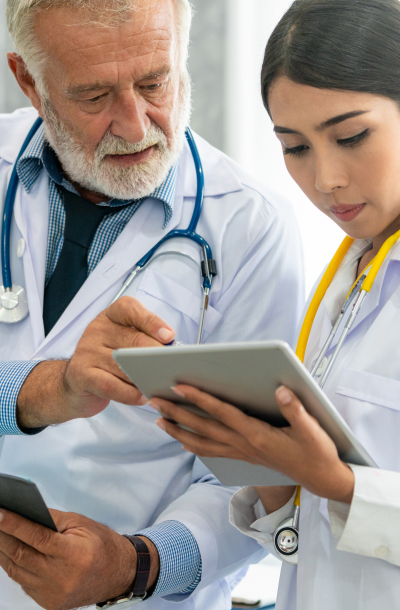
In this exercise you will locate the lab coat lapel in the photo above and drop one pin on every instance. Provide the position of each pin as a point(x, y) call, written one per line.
point(31, 213)
point(371, 302)
point(141, 233)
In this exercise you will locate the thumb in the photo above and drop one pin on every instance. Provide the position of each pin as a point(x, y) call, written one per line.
point(292, 409)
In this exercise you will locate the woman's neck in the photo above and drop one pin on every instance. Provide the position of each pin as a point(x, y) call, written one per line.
point(377, 243)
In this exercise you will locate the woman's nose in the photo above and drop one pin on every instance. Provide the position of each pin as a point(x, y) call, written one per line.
point(329, 174)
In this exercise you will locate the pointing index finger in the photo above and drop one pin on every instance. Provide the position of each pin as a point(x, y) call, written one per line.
point(131, 313)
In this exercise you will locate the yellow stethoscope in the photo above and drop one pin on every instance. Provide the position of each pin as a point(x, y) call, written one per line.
point(286, 537)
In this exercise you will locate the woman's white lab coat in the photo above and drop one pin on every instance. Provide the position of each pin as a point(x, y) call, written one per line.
point(349, 557)
point(119, 468)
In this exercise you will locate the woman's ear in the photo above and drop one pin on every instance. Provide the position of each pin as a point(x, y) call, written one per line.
point(24, 79)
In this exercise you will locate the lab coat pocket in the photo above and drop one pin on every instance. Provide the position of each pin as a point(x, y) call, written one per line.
point(371, 406)
point(176, 305)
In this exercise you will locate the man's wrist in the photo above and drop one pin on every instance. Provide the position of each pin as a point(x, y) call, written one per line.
point(154, 564)
point(41, 401)
point(131, 566)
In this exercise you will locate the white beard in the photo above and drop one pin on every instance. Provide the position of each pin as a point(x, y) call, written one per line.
point(92, 171)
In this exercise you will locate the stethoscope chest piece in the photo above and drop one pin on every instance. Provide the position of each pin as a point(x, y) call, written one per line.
point(286, 539)
point(13, 304)
point(286, 542)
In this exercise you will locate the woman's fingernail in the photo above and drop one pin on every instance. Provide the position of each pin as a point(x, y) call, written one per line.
point(154, 405)
point(143, 400)
point(178, 392)
point(165, 334)
point(283, 395)
point(160, 423)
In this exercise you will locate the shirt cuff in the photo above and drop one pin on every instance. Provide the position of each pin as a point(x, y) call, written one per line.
point(180, 559)
point(248, 515)
point(367, 526)
point(12, 378)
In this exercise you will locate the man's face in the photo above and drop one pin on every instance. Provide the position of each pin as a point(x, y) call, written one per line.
point(118, 101)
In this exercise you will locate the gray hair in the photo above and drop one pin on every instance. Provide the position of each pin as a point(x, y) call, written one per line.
point(21, 25)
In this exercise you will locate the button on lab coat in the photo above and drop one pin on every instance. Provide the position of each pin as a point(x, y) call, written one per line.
point(119, 468)
point(349, 556)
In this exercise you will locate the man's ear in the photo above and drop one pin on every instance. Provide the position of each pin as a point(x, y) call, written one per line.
point(24, 79)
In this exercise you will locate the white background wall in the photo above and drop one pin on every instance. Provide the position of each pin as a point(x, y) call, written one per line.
point(249, 135)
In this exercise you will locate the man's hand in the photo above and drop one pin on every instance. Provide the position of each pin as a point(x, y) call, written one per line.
point(84, 563)
point(58, 391)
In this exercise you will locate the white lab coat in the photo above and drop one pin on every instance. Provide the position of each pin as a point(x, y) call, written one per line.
point(349, 557)
point(118, 467)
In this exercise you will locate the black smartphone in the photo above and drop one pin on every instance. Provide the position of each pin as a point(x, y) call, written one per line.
point(22, 497)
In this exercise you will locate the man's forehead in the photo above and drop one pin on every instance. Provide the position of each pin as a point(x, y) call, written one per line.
point(70, 39)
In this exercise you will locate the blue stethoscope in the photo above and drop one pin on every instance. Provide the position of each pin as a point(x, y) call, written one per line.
point(13, 299)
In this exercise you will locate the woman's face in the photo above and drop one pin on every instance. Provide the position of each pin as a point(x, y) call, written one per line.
point(343, 150)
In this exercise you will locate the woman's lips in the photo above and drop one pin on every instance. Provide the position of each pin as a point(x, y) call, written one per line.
point(346, 213)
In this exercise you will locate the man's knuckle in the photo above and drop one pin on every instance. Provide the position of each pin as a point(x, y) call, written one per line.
point(105, 386)
point(139, 340)
point(128, 306)
point(258, 440)
point(18, 554)
point(12, 571)
point(41, 537)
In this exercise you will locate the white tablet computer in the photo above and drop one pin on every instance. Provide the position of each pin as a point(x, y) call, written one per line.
point(247, 376)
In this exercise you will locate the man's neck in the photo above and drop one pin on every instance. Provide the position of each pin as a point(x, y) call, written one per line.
point(91, 196)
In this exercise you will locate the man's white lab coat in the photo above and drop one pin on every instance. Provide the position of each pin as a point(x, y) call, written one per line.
point(119, 468)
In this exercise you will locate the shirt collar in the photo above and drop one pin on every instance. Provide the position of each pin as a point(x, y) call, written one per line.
point(39, 155)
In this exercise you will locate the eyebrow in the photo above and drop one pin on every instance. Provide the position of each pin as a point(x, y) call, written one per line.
point(99, 86)
point(329, 123)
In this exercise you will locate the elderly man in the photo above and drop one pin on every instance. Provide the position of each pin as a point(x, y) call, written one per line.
point(105, 177)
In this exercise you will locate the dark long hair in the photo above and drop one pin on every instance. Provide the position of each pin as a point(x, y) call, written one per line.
point(351, 45)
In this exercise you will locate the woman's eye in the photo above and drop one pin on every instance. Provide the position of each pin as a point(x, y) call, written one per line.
point(296, 151)
point(355, 140)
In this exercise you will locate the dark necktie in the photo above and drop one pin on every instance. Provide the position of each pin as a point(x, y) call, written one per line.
point(82, 219)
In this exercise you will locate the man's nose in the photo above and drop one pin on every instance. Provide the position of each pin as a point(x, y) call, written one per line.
point(130, 120)
point(329, 174)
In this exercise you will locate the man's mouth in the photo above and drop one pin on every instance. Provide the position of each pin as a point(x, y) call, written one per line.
point(125, 160)
point(347, 212)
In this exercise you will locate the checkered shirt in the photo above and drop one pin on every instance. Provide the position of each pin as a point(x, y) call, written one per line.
point(180, 560)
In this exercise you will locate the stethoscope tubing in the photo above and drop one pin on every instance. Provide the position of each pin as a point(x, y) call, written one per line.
point(9, 209)
point(190, 232)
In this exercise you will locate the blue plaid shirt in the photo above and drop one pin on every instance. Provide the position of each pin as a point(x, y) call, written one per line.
point(180, 560)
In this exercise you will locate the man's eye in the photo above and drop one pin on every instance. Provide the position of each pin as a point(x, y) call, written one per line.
point(355, 140)
point(153, 87)
point(296, 151)
point(97, 98)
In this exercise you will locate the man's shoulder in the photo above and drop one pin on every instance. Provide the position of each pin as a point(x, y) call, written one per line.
point(224, 176)
point(14, 128)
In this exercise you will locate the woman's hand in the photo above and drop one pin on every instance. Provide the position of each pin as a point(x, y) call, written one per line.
point(303, 451)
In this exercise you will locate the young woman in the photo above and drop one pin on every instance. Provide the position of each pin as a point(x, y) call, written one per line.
point(331, 84)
